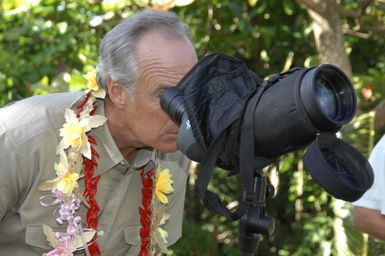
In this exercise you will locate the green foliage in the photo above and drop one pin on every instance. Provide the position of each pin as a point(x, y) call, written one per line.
point(38, 43)
point(370, 88)
point(359, 132)
point(46, 45)
point(263, 33)
point(192, 231)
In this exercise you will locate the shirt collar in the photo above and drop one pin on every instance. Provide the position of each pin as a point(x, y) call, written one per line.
point(143, 157)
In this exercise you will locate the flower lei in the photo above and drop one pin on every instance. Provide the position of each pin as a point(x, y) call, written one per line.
point(77, 154)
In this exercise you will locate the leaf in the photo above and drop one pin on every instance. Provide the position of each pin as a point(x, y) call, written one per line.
point(160, 241)
point(288, 7)
point(48, 232)
point(60, 147)
point(45, 186)
point(86, 148)
point(13, 34)
point(80, 241)
point(261, 8)
point(252, 3)
point(160, 213)
point(96, 121)
point(70, 116)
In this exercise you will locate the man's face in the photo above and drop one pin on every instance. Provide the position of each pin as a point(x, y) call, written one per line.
point(162, 63)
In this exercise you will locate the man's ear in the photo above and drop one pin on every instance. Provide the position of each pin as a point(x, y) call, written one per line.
point(117, 93)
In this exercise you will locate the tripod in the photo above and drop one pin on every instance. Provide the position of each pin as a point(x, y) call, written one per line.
point(255, 223)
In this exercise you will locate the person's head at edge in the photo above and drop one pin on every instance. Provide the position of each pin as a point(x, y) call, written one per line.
point(138, 59)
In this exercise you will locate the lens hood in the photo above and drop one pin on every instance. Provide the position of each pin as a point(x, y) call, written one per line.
point(338, 167)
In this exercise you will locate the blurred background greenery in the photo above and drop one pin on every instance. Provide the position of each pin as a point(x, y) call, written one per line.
point(47, 45)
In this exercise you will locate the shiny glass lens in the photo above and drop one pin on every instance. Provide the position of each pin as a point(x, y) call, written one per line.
point(327, 98)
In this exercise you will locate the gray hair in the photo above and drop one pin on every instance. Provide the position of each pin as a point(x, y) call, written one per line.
point(117, 56)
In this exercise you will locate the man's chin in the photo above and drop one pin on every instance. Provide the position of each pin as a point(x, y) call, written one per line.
point(167, 148)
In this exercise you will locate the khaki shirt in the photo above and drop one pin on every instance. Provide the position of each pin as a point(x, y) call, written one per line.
point(29, 135)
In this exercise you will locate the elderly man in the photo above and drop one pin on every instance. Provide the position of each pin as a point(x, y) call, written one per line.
point(94, 172)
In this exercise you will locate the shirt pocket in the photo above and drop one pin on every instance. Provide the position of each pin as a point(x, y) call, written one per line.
point(35, 237)
point(132, 234)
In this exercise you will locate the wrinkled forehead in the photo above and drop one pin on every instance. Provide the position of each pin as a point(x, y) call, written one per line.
point(159, 55)
point(164, 47)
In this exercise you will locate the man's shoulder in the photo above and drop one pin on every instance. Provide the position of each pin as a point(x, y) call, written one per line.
point(380, 144)
point(35, 115)
point(177, 163)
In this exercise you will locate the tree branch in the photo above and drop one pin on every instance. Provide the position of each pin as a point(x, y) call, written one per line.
point(307, 3)
point(357, 33)
point(361, 29)
point(377, 30)
point(364, 5)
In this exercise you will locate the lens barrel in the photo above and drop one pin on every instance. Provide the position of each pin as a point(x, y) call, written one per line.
point(328, 97)
point(299, 105)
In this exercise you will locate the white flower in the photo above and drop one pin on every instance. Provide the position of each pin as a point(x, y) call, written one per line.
point(74, 132)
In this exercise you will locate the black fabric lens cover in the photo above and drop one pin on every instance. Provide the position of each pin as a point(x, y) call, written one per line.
point(338, 167)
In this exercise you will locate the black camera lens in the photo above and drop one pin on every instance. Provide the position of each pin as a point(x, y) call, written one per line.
point(328, 97)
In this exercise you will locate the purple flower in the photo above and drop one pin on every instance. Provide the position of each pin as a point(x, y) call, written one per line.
point(59, 251)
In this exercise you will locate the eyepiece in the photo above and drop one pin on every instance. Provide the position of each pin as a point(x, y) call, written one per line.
point(172, 103)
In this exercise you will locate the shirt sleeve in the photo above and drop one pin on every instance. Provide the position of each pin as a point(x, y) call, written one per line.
point(10, 178)
point(374, 197)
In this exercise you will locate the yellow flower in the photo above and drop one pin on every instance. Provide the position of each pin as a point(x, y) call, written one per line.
point(74, 132)
point(93, 86)
point(67, 178)
point(183, 2)
point(91, 81)
point(163, 185)
point(66, 183)
point(166, 5)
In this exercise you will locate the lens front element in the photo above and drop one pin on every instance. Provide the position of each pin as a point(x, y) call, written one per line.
point(327, 98)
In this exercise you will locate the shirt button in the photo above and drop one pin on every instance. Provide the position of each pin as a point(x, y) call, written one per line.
point(101, 233)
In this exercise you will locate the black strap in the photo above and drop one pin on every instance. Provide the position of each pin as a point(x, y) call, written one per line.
point(248, 161)
point(211, 200)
